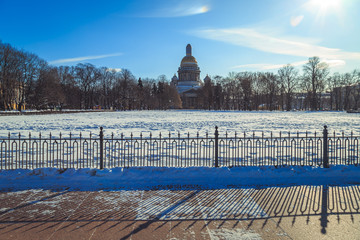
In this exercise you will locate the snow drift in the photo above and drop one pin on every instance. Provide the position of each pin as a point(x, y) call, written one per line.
point(148, 178)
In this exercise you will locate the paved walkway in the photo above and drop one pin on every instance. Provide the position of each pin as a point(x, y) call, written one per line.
point(302, 212)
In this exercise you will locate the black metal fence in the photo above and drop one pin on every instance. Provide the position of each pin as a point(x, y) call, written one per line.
point(215, 150)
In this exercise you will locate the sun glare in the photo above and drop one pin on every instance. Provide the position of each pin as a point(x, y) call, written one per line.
point(324, 8)
point(325, 5)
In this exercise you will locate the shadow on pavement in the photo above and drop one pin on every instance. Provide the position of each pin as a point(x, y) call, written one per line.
point(135, 211)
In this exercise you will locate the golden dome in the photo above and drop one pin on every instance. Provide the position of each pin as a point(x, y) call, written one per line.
point(188, 60)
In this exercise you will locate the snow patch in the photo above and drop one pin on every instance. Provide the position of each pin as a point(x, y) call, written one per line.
point(234, 234)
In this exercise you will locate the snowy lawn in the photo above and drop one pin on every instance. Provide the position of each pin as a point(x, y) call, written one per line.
point(183, 121)
point(175, 178)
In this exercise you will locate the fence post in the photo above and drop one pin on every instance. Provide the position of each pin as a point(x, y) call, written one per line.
point(325, 148)
point(216, 147)
point(101, 148)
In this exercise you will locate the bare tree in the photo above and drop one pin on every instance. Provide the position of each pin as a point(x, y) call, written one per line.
point(288, 77)
point(246, 84)
point(48, 91)
point(9, 71)
point(70, 87)
point(206, 94)
point(124, 88)
point(106, 83)
point(167, 96)
point(218, 93)
point(271, 84)
point(334, 85)
point(258, 93)
point(315, 73)
point(30, 65)
point(87, 76)
point(232, 91)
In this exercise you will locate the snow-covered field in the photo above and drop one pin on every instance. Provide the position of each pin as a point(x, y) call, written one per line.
point(173, 121)
point(183, 121)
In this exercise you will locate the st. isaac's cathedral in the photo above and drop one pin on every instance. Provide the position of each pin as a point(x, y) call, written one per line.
point(188, 83)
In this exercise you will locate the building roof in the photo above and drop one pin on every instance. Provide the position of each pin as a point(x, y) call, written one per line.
point(188, 60)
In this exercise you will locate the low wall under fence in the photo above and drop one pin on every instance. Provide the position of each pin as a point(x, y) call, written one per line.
point(178, 150)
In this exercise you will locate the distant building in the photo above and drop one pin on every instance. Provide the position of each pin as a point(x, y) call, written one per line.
point(14, 97)
point(301, 101)
point(188, 82)
point(346, 97)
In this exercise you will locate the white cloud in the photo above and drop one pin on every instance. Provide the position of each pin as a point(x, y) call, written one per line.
point(81, 59)
point(253, 38)
point(294, 21)
point(266, 66)
point(252, 66)
point(334, 62)
point(185, 8)
point(194, 10)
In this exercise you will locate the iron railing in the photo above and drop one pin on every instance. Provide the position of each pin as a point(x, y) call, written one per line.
point(179, 150)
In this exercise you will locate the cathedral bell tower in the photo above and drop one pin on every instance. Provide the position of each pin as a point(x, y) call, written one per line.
point(189, 70)
point(188, 81)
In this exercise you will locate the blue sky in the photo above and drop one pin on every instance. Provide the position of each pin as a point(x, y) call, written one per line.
point(149, 37)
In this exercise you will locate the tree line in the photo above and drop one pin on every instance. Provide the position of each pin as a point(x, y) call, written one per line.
point(287, 89)
point(26, 79)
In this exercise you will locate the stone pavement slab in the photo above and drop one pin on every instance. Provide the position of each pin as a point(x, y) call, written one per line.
point(298, 212)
